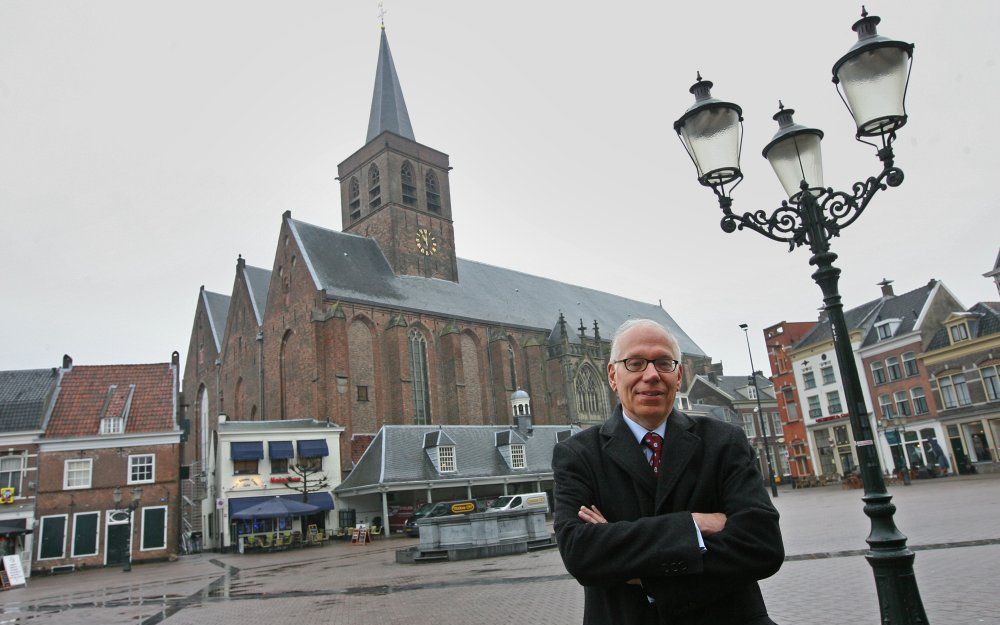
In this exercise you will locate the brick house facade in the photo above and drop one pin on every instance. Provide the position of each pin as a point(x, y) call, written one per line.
point(113, 430)
point(779, 338)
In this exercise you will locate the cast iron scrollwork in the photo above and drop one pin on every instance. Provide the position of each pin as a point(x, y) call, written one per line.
point(796, 225)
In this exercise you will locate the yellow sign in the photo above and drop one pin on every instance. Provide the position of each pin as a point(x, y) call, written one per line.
point(533, 500)
point(7, 495)
point(462, 508)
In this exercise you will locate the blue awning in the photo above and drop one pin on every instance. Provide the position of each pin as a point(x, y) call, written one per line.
point(322, 500)
point(313, 448)
point(278, 450)
point(247, 451)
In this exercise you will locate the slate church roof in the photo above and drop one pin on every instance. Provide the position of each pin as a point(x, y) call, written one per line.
point(397, 456)
point(353, 268)
point(257, 280)
point(25, 396)
point(217, 306)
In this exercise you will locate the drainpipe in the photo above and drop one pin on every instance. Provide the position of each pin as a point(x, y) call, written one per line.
point(260, 371)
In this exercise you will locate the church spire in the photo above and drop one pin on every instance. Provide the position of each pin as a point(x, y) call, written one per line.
point(388, 107)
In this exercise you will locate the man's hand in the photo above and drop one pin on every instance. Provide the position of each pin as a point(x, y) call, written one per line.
point(708, 522)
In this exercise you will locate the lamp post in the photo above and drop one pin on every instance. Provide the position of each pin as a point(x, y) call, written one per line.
point(897, 425)
point(116, 495)
point(873, 75)
point(760, 416)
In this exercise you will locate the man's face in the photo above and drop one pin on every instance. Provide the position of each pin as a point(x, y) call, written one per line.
point(647, 396)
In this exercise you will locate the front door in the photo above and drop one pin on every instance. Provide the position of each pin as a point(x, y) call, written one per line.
point(118, 537)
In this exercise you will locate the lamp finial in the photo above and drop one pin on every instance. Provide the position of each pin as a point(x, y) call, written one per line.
point(864, 11)
point(699, 75)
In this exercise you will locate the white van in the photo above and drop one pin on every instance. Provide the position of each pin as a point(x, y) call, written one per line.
point(526, 501)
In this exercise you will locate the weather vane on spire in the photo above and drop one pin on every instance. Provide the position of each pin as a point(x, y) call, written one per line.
point(381, 14)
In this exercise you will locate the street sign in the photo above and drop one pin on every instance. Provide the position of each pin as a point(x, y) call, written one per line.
point(220, 503)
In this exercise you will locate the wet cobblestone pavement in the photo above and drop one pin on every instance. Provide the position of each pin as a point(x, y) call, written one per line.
point(952, 523)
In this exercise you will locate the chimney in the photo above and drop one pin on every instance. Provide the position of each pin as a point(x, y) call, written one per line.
point(175, 359)
point(67, 362)
point(886, 288)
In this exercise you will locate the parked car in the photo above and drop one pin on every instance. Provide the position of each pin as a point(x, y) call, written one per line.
point(440, 508)
point(525, 501)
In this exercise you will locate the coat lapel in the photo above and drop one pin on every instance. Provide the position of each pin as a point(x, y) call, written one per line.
point(620, 445)
point(679, 446)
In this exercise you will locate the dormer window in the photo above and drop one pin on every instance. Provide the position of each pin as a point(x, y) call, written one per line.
point(112, 425)
point(517, 460)
point(751, 392)
point(887, 328)
point(446, 459)
point(959, 332)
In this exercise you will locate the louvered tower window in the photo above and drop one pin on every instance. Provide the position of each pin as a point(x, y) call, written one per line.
point(433, 193)
point(409, 188)
point(354, 191)
point(374, 189)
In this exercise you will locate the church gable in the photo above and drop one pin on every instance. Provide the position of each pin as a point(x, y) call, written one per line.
point(242, 355)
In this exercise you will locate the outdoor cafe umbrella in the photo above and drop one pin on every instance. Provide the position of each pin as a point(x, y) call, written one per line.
point(274, 508)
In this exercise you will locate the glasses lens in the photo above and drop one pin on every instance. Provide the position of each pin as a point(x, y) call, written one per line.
point(635, 364)
point(664, 365)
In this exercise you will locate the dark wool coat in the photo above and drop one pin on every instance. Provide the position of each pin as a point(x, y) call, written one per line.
point(707, 466)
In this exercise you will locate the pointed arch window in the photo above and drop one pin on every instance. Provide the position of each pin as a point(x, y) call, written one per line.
point(354, 201)
point(590, 401)
point(433, 192)
point(418, 375)
point(283, 374)
point(512, 366)
point(374, 188)
point(408, 184)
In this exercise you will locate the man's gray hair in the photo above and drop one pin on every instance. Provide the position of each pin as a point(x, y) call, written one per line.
point(632, 323)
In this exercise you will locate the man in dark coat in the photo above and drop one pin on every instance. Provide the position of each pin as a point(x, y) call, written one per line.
point(671, 530)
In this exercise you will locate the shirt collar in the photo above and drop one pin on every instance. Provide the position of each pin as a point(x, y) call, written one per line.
point(639, 432)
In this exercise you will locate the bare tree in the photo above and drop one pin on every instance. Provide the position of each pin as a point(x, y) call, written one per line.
point(311, 479)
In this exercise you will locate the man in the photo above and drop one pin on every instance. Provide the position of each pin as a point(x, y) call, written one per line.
point(675, 529)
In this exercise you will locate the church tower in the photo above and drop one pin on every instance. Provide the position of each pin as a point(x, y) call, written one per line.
point(396, 190)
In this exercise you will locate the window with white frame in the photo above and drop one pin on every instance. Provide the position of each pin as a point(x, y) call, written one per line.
point(751, 392)
point(809, 379)
point(884, 330)
point(776, 419)
point(902, 404)
point(910, 364)
point(885, 402)
point(833, 402)
point(954, 391)
point(991, 381)
point(919, 400)
point(749, 425)
point(517, 457)
point(878, 372)
point(815, 410)
point(112, 425)
point(11, 469)
point(892, 367)
point(154, 528)
point(141, 468)
point(828, 375)
point(446, 459)
point(77, 472)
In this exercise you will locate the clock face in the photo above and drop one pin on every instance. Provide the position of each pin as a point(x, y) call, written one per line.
point(427, 243)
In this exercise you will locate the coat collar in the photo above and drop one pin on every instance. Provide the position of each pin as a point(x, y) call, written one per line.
point(679, 446)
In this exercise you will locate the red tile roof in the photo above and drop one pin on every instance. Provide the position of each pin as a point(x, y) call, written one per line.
point(88, 393)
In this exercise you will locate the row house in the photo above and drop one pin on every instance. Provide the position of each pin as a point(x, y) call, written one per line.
point(739, 394)
point(779, 339)
point(909, 434)
point(25, 399)
point(963, 364)
point(108, 467)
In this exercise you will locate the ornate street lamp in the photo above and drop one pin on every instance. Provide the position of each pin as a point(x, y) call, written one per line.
point(116, 495)
point(768, 452)
point(873, 76)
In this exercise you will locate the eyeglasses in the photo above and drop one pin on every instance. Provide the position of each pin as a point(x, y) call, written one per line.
point(636, 365)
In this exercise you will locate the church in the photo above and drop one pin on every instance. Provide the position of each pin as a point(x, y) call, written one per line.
point(381, 324)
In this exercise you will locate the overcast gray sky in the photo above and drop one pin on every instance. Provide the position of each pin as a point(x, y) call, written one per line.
point(143, 145)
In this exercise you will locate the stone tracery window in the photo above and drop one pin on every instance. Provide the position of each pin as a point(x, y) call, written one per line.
point(374, 188)
point(354, 192)
point(590, 399)
point(418, 376)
